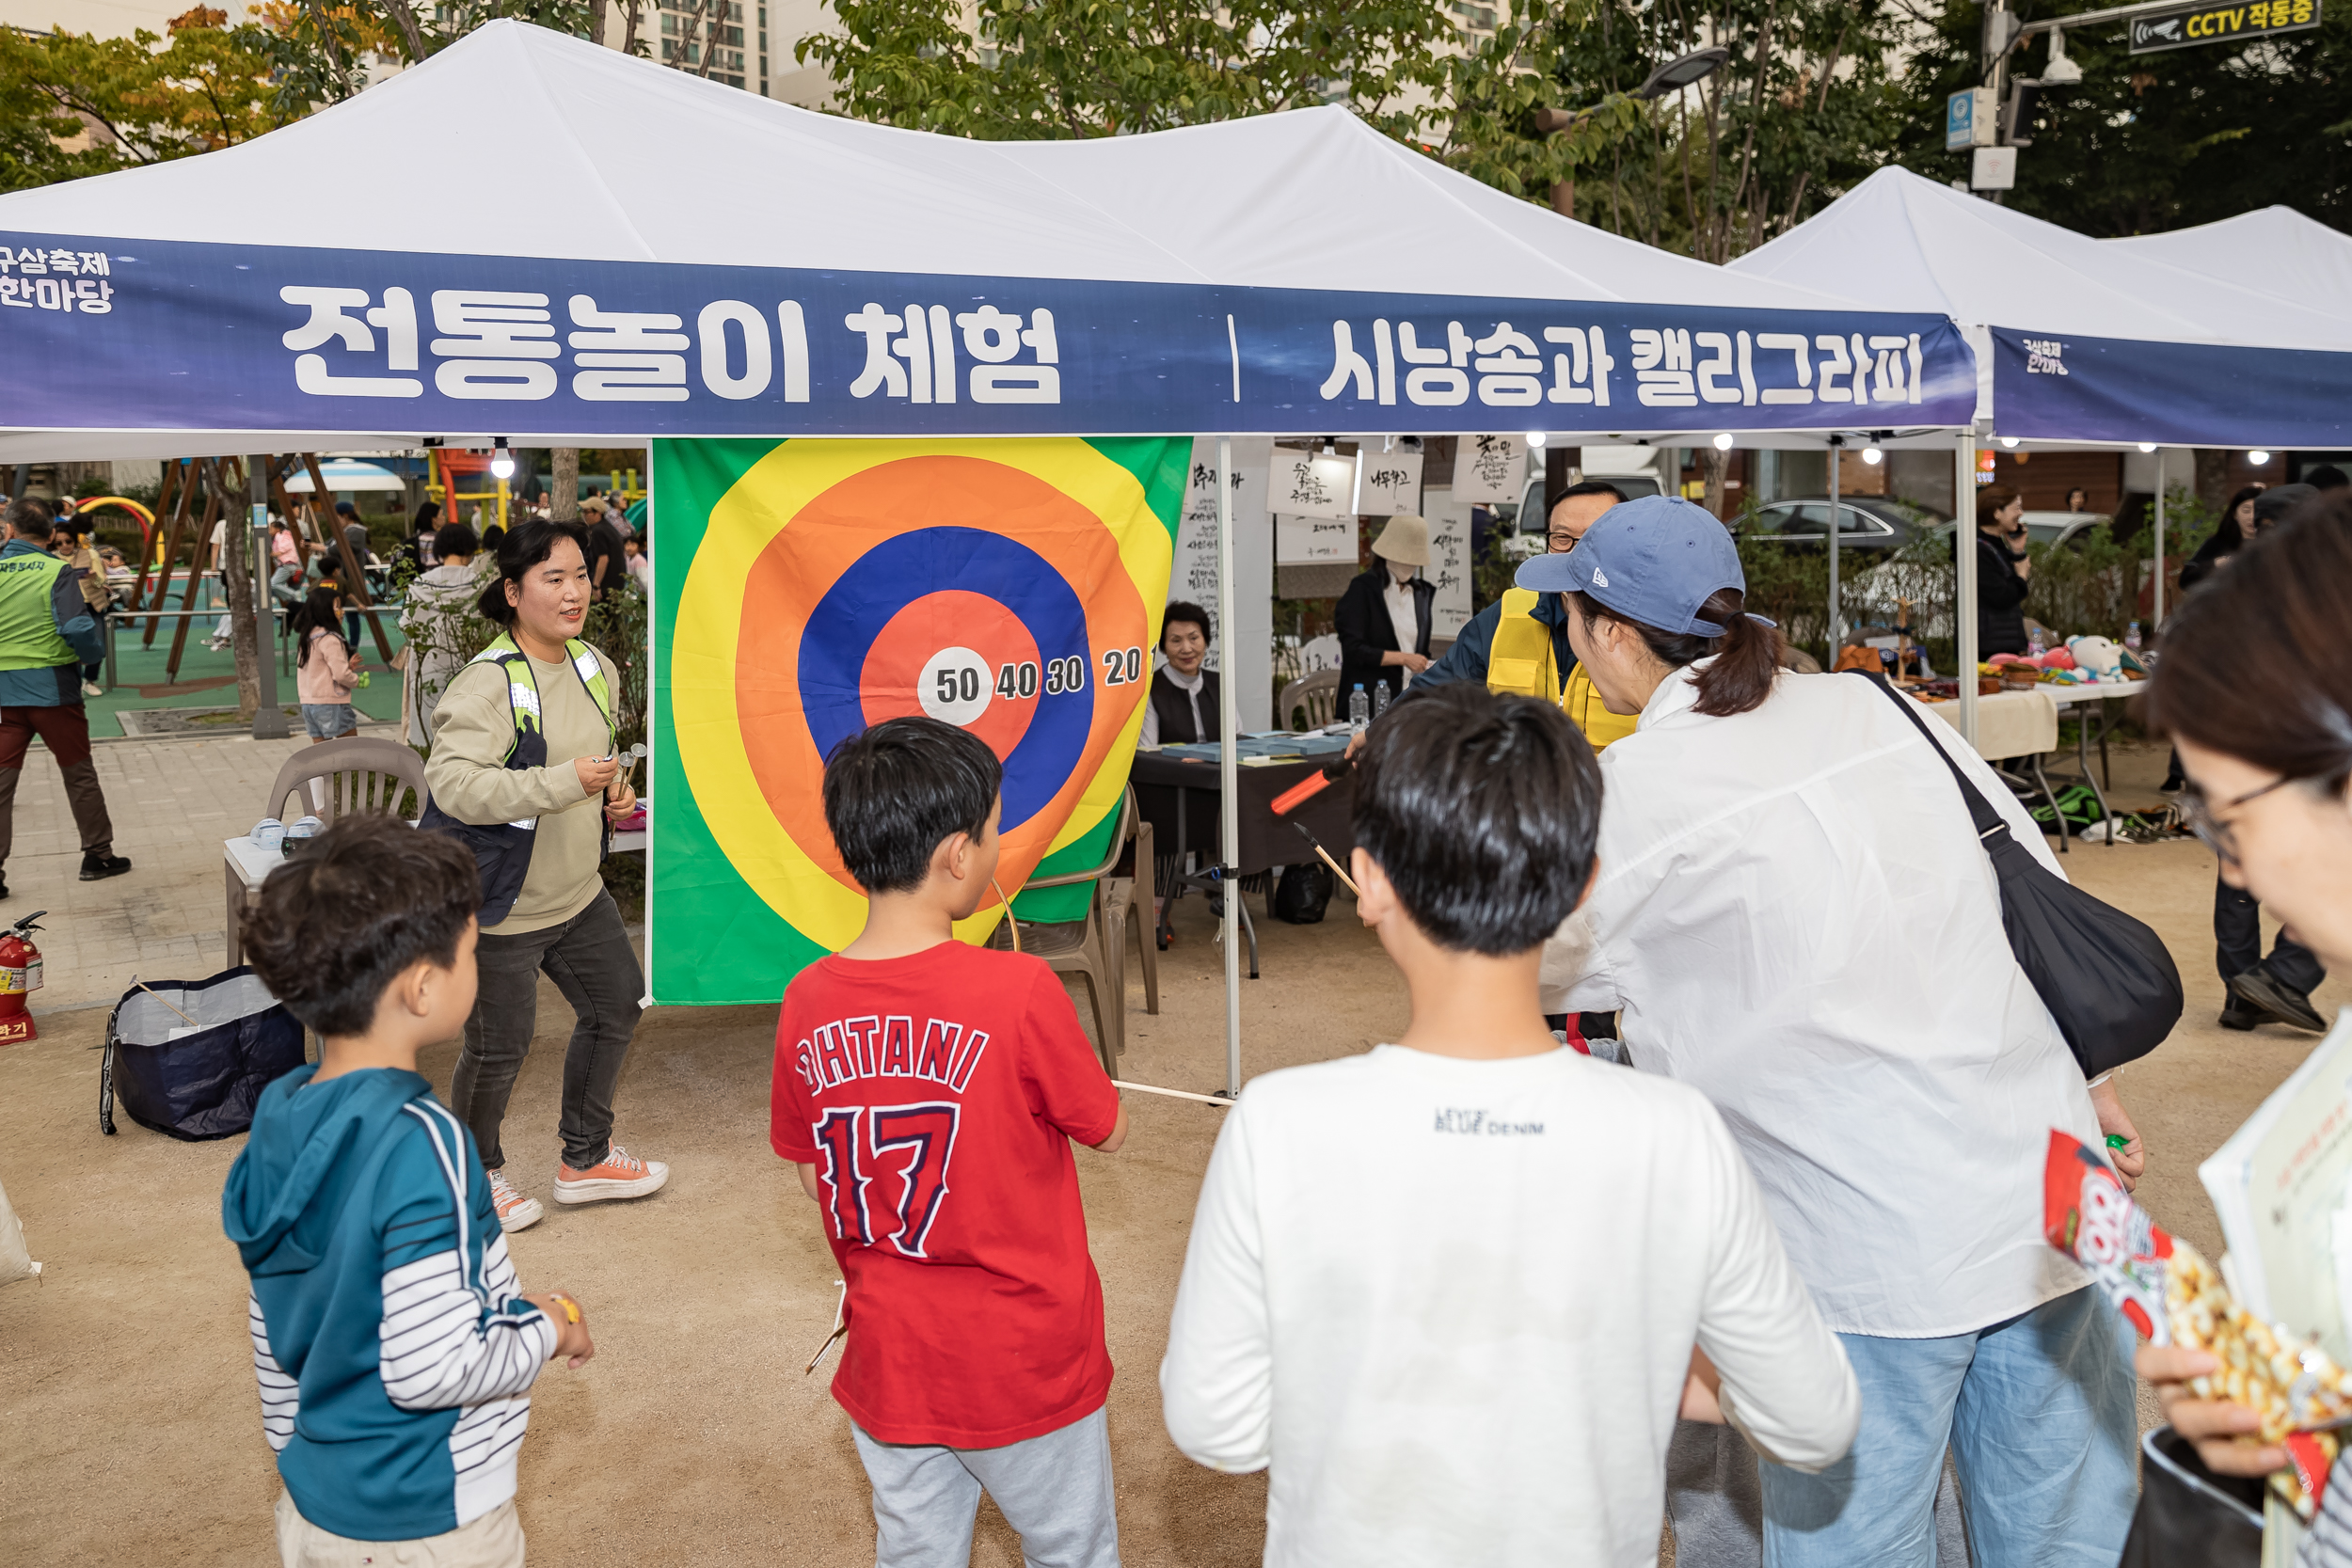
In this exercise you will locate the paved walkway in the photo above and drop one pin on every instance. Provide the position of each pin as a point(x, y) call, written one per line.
point(172, 802)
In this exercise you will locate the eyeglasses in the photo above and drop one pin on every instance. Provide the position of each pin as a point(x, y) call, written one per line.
point(2198, 814)
point(1563, 543)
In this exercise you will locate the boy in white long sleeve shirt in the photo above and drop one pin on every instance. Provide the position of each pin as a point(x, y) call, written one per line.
point(1455, 1292)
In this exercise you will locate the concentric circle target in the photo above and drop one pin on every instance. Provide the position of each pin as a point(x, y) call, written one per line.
point(843, 583)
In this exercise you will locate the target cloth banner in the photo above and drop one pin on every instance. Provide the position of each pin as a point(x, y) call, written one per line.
point(806, 588)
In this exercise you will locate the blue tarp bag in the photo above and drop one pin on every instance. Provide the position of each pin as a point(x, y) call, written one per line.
point(190, 1058)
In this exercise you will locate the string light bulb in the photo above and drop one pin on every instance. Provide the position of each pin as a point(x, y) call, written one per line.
point(503, 461)
point(1872, 456)
point(2010, 441)
point(1535, 440)
point(2258, 458)
point(2147, 446)
point(1722, 442)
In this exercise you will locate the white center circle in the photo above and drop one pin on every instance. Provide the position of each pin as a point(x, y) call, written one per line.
point(955, 686)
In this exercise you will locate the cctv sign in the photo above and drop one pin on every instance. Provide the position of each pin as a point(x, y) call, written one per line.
point(2186, 26)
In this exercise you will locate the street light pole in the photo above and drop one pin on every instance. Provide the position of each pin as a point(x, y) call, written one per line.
point(1681, 72)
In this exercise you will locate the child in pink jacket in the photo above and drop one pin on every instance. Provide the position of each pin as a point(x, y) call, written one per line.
point(326, 669)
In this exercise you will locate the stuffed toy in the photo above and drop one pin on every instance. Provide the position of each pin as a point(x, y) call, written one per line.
point(2098, 657)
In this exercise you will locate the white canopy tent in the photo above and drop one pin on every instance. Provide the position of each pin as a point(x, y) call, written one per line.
point(2276, 250)
point(1899, 241)
point(1310, 200)
point(1311, 203)
point(346, 473)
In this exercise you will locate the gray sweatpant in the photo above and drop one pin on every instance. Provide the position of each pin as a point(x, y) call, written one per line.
point(1055, 1490)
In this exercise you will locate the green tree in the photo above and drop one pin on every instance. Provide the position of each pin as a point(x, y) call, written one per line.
point(1034, 69)
point(2152, 142)
point(1802, 109)
point(140, 99)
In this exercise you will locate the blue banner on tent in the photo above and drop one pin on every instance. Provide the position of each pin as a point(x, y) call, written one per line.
point(152, 335)
point(2073, 389)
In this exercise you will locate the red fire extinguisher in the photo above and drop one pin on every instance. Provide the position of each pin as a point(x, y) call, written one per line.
point(20, 976)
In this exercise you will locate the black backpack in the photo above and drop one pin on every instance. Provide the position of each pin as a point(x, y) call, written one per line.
point(1303, 893)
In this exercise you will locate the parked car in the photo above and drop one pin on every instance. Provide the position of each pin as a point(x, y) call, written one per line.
point(1864, 523)
point(2060, 527)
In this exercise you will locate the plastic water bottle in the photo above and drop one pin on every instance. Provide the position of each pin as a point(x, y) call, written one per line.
point(1380, 699)
point(2131, 637)
point(1359, 709)
point(2034, 647)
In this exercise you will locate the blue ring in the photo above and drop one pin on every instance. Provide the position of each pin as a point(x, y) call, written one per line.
point(895, 573)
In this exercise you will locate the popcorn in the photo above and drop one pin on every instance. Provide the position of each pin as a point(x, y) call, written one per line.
point(2174, 1296)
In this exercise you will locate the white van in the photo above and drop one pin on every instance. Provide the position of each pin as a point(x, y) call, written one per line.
point(1636, 470)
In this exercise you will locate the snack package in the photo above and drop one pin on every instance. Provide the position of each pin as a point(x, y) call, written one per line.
point(2174, 1297)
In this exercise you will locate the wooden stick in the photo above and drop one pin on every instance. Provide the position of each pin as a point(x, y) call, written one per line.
point(159, 996)
point(1173, 1094)
point(1337, 872)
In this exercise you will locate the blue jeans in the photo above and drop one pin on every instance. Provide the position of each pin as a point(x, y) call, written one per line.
point(2039, 1413)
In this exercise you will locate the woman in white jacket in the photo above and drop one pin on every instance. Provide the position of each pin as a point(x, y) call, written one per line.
point(1795, 916)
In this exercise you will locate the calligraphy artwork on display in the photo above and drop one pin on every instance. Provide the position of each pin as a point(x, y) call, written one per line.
point(1489, 468)
point(1449, 568)
point(1391, 480)
point(1195, 577)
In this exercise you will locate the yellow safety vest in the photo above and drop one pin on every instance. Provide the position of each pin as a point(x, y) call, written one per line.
point(1520, 662)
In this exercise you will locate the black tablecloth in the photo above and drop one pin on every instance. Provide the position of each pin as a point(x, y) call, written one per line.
point(1266, 840)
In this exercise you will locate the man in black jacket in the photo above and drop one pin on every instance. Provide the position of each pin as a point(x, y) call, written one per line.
point(1384, 619)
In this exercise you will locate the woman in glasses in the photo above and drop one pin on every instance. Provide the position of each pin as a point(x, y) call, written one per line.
point(2256, 688)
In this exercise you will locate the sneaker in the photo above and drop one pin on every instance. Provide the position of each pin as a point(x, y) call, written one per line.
point(2172, 787)
point(619, 1174)
point(91, 689)
point(2238, 1015)
point(516, 1212)
point(2261, 992)
point(97, 868)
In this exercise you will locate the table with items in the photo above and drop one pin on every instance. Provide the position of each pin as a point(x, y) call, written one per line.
point(1178, 790)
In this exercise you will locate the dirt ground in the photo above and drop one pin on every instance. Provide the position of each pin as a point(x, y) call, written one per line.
point(128, 1423)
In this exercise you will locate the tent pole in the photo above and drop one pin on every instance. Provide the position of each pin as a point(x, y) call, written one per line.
point(1965, 585)
point(2156, 620)
point(1228, 762)
point(270, 720)
point(1836, 451)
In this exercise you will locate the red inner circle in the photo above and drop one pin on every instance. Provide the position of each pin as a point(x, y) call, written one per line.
point(953, 618)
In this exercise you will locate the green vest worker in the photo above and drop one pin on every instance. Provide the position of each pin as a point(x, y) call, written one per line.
point(46, 635)
point(523, 758)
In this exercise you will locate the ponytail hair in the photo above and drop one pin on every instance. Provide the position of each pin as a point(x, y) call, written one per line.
point(523, 547)
point(1746, 654)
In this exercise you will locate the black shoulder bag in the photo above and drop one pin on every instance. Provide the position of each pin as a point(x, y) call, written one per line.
point(2106, 977)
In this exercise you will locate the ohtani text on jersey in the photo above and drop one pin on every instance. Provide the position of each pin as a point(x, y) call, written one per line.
point(871, 1047)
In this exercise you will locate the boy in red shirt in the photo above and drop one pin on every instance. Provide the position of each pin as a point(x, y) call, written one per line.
point(929, 1092)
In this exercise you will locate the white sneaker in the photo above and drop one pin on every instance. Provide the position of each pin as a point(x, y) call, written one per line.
point(516, 1212)
point(91, 689)
point(619, 1174)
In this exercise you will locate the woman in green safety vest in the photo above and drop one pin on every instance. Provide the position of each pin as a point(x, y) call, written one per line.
point(523, 753)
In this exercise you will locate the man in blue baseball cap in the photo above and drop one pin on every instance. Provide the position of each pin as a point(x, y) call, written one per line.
point(1668, 556)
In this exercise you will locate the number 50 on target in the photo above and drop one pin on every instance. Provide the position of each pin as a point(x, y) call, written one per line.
point(809, 589)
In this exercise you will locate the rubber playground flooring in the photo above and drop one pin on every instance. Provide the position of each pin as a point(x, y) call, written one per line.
point(206, 680)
